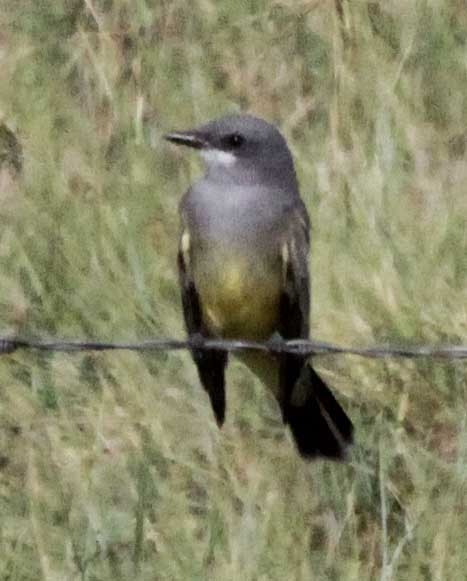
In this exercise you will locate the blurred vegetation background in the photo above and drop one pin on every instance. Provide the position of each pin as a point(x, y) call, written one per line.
point(111, 466)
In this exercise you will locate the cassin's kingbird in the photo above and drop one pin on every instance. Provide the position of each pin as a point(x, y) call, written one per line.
point(243, 265)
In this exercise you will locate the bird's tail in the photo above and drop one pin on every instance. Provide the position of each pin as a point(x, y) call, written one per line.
point(319, 425)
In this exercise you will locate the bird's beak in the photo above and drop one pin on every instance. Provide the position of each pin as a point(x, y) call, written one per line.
point(193, 139)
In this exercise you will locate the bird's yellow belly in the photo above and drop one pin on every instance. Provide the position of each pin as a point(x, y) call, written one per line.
point(240, 300)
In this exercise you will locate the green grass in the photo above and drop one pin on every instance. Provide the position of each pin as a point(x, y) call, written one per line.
point(111, 466)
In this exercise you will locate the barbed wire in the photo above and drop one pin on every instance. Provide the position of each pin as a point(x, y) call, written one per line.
point(305, 348)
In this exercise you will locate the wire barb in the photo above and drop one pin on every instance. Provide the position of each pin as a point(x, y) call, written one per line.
point(303, 347)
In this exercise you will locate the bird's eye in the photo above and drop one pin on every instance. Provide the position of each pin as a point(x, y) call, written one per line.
point(234, 140)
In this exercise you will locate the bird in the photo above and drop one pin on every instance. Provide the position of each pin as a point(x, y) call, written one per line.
point(243, 264)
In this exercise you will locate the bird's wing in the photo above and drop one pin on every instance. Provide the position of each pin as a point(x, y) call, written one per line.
point(211, 364)
point(296, 281)
point(318, 423)
point(295, 297)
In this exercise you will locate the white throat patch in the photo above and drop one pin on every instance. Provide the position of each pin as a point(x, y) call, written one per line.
point(218, 157)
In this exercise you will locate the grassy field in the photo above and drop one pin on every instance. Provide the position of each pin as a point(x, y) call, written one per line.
point(111, 465)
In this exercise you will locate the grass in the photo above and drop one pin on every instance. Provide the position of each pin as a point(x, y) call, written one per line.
point(111, 466)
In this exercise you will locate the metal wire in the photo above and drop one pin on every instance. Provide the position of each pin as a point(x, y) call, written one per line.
point(302, 347)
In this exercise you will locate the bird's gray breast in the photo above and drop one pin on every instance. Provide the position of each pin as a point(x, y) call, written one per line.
point(247, 217)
